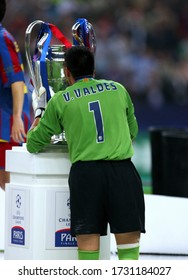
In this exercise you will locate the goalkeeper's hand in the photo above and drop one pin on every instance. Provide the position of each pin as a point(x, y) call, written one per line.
point(40, 102)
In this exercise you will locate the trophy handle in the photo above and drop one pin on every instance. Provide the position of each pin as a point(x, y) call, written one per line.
point(92, 36)
point(28, 53)
point(78, 35)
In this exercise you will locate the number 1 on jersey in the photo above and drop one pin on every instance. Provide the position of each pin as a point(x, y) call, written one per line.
point(96, 109)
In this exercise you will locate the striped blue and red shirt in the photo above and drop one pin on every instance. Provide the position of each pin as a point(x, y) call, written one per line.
point(11, 70)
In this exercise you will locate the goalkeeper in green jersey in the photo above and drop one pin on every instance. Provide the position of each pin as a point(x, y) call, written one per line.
point(99, 123)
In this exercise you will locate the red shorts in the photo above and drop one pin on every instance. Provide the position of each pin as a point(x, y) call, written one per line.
point(3, 147)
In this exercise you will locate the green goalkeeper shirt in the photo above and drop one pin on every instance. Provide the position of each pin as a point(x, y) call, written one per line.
point(97, 117)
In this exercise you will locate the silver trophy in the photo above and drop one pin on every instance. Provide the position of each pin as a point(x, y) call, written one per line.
point(45, 66)
point(46, 63)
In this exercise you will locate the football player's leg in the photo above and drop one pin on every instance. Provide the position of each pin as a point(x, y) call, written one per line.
point(128, 245)
point(88, 246)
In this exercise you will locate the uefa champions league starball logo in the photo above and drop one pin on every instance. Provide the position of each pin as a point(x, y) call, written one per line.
point(18, 201)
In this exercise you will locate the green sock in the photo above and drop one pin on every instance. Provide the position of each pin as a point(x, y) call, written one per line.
point(128, 253)
point(88, 255)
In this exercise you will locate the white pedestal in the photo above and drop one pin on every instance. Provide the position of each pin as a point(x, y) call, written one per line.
point(37, 213)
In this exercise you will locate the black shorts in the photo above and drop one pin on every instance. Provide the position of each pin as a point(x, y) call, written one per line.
point(103, 192)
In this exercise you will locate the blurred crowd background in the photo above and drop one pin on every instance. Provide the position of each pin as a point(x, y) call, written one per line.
point(141, 43)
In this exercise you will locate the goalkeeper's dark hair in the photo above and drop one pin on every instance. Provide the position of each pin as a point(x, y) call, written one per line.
point(80, 61)
point(2, 9)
